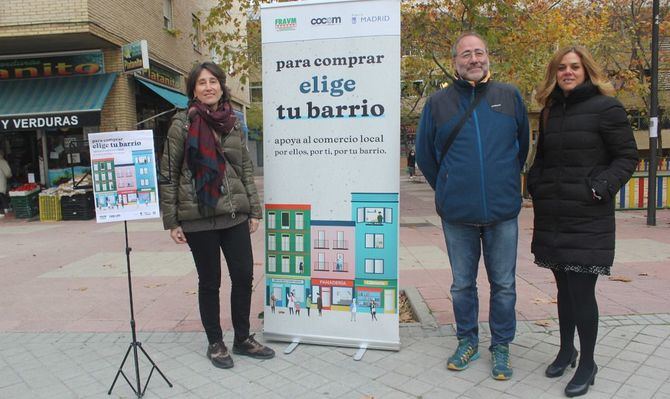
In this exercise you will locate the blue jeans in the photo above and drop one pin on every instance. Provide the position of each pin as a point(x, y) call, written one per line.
point(464, 246)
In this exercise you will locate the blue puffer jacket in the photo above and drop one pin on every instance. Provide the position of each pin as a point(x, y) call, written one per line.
point(478, 181)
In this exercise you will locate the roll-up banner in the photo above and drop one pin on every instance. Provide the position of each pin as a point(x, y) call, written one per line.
point(331, 120)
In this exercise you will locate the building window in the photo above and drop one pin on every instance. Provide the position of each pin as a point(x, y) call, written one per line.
point(272, 222)
point(340, 242)
point(285, 224)
point(196, 38)
point(299, 243)
point(167, 14)
point(321, 262)
point(285, 242)
point(374, 266)
point(256, 89)
point(379, 266)
point(320, 241)
point(360, 215)
point(388, 215)
point(300, 264)
point(272, 242)
point(285, 264)
point(374, 241)
point(299, 221)
point(370, 266)
point(272, 264)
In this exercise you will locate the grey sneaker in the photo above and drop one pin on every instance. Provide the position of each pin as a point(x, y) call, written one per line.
point(252, 348)
point(219, 355)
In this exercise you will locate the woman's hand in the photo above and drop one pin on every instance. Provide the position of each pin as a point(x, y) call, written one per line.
point(177, 235)
point(253, 225)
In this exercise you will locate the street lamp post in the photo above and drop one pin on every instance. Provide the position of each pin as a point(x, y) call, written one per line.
point(653, 120)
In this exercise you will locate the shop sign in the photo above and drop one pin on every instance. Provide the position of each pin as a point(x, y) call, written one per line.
point(51, 65)
point(135, 56)
point(333, 283)
point(162, 76)
point(65, 120)
point(286, 281)
point(375, 282)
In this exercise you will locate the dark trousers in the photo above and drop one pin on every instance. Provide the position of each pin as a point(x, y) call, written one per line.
point(236, 245)
point(577, 307)
point(4, 202)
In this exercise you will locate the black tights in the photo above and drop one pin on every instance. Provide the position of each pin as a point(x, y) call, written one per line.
point(577, 307)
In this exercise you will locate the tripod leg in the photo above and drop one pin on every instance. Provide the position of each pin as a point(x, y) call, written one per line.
point(137, 369)
point(154, 365)
point(120, 370)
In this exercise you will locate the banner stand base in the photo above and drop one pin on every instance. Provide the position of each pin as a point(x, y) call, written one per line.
point(292, 346)
point(361, 351)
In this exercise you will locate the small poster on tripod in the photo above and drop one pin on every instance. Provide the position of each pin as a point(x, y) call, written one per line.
point(123, 167)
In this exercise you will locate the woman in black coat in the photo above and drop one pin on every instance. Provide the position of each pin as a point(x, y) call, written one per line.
point(586, 152)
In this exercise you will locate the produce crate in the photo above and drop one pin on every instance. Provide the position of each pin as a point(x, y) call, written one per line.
point(50, 209)
point(78, 206)
point(24, 203)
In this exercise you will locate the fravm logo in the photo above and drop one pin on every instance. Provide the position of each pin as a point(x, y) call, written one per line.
point(283, 24)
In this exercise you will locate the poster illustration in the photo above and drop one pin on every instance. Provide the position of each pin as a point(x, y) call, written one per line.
point(123, 167)
point(331, 100)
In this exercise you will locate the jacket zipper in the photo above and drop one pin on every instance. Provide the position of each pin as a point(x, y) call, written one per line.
point(481, 161)
point(225, 176)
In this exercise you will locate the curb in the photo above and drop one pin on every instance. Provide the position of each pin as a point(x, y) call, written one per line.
point(420, 308)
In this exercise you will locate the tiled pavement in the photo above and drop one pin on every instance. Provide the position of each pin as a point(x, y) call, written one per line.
point(633, 354)
point(64, 328)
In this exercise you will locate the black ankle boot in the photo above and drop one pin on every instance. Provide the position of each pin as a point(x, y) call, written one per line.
point(557, 368)
point(575, 388)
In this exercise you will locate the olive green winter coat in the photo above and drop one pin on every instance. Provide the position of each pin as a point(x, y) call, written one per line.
point(178, 198)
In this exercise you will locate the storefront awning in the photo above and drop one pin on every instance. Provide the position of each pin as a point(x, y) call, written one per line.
point(53, 102)
point(173, 97)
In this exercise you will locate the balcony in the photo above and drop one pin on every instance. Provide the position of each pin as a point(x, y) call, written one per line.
point(340, 244)
point(331, 267)
point(321, 244)
point(321, 266)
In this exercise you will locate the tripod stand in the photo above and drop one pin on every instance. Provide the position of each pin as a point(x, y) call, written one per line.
point(134, 345)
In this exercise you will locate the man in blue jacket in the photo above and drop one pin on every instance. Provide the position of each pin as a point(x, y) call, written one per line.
point(477, 194)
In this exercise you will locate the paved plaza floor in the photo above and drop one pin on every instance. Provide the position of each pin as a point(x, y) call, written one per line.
point(64, 326)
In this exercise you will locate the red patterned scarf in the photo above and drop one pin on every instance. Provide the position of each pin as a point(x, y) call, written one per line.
point(204, 156)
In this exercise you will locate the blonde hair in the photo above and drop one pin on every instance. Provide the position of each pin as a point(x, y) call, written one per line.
point(593, 73)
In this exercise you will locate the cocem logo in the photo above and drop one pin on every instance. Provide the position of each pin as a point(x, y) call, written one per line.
point(282, 24)
point(326, 21)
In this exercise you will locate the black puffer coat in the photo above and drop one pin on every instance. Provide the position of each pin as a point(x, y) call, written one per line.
point(587, 144)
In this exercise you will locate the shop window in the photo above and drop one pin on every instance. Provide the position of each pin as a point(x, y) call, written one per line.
point(167, 14)
point(272, 222)
point(272, 242)
point(272, 264)
point(285, 220)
